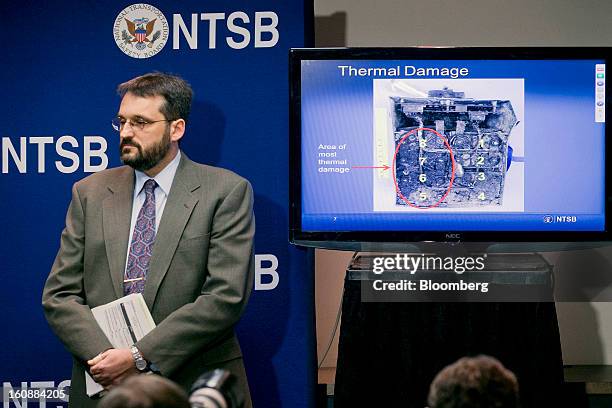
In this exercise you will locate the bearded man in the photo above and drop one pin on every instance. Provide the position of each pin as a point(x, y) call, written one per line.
point(179, 232)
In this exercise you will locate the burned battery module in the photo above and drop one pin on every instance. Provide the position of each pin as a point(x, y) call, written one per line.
point(428, 130)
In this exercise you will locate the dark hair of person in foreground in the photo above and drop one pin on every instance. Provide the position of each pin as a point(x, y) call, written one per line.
point(474, 382)
point(146, 391)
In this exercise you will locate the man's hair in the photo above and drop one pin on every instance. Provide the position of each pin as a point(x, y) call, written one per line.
point(146, 391)
point(474, 382)
point(174, 89)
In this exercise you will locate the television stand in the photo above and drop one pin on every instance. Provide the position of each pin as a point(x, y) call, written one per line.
point(390, 351)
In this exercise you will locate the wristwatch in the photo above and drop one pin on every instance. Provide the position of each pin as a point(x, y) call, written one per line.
point(141, 363)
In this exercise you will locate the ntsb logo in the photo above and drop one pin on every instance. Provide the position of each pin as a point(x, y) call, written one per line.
point(141, 30)
point(549, 219)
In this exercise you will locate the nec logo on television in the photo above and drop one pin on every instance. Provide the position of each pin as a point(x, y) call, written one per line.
point(141, 30)
point(452, 236)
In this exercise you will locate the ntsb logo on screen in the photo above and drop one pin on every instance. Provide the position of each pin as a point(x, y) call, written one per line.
point(142, 30)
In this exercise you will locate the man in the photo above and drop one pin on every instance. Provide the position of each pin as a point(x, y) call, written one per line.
point(474, 382)
point(178, 232)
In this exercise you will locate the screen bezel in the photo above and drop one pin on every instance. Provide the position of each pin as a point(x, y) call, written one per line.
point(336, 238)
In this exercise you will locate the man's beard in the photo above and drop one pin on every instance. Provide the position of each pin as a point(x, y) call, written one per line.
point(149, 158)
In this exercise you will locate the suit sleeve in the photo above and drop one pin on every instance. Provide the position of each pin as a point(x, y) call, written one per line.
point(189, 329)
point(63, 297)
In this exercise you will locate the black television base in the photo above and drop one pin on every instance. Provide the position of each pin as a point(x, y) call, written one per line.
point(390, 352)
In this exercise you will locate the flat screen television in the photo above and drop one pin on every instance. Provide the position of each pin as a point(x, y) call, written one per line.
point(449, 144)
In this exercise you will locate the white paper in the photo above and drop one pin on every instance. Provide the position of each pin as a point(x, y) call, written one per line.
point(124, 322)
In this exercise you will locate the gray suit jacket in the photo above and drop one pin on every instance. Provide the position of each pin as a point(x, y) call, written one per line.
point(200, 276)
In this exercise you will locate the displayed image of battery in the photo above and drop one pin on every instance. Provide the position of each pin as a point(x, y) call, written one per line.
point(476, 131)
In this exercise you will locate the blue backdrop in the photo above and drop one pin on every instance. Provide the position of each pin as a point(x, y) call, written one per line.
point(61, 65)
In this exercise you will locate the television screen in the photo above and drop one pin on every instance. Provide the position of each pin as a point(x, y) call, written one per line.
point(448, 144)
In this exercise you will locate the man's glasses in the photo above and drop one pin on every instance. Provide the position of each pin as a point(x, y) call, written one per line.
point(140, 124)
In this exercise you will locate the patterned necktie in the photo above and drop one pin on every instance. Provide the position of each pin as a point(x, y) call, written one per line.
point(141, 247)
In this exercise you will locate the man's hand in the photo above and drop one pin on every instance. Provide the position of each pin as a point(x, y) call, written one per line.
point(112, 366)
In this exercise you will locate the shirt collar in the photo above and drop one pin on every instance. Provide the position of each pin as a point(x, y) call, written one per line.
point(163, 178)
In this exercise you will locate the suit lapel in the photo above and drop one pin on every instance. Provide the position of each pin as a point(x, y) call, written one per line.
point(116, 218)
point(178, 209)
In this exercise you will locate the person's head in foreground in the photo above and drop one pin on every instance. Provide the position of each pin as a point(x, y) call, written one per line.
point(474, 382)
point(146, 391)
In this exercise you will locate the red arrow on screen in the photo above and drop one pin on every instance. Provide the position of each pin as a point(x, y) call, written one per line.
point(385, 167)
